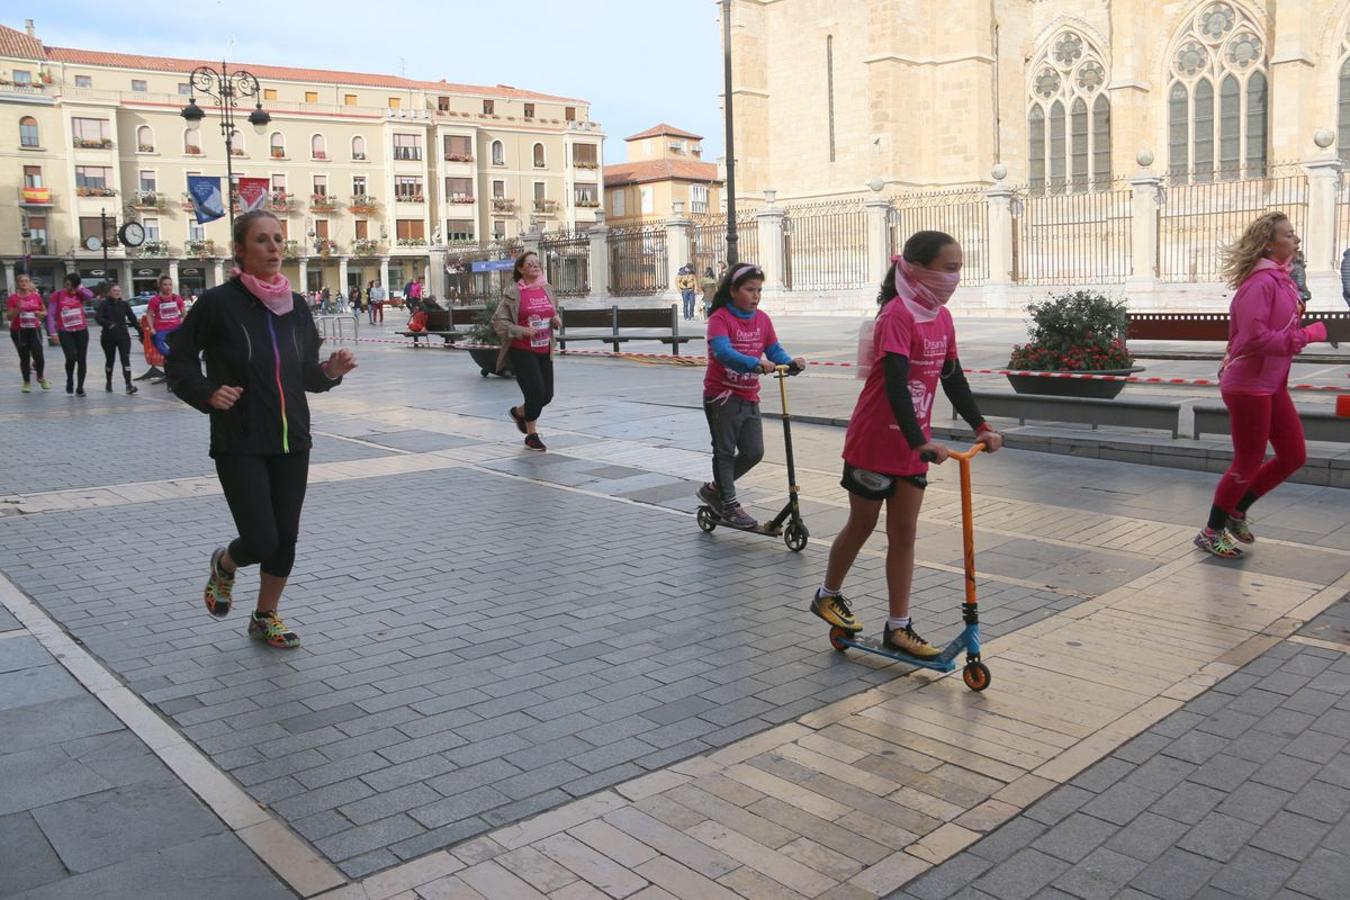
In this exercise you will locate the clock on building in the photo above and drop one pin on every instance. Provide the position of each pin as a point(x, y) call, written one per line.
point(92, 242)
point(132, 234)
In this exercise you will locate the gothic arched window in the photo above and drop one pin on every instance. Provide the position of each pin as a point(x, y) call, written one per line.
point(1073, 152)
point(1217, 98)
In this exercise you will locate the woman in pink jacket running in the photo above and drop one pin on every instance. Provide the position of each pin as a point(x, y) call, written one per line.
point(1265, 332)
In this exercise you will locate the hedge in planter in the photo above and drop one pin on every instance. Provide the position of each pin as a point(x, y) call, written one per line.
point(1078, 331)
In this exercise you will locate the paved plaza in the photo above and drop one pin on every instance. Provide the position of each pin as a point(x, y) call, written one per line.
point(531, 675)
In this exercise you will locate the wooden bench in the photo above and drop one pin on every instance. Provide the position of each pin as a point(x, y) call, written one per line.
point(660, 324)
point(1213, 326)
point(1317, 426)
point(448, 324)
point(1162, 415)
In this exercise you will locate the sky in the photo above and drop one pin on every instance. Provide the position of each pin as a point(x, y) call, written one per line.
point(638, 62)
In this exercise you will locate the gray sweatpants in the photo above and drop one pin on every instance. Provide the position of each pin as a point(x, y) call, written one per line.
point(737, 441)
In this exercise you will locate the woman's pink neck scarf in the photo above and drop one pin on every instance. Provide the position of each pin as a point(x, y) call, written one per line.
point(274, 294)
point(538, 282)
point(924, 291)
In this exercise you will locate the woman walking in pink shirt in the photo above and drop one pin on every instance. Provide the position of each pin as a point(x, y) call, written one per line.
point(1265, 332)
point(66, 320)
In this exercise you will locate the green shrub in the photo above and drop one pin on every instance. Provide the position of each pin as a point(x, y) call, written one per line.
point(1080, 330)
point(482, 332)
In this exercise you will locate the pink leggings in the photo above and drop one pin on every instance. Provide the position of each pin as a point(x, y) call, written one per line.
point(1254, 421)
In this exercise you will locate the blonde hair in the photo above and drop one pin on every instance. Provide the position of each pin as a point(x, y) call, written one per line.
point(1238, 259)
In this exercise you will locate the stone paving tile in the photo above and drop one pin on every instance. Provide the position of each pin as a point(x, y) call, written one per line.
point(1173, 814)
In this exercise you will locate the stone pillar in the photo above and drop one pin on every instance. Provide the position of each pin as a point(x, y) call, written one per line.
point(125, 279)
point(1000, 199)
point(342, 275)
point(530, 240)
point(304, 275)
point(173, 273)
point(10, 286)
point(769, 222)
point(1147, 200)
point(72, 268)
point(677, 246)
point(1319, 235)
point(598, 263)
point(384, 272)
point(878, 211)
point(436, 275)
point(218, 271)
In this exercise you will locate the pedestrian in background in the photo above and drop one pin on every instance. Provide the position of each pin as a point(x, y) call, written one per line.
point(708, 284)
point(114, 316)
point(524, 320)
point(1265, 333)
point(377, 297)
point(1298, 271)
point(25, 311)
point(687, 283)
point(66, 320)
point(1345, 276)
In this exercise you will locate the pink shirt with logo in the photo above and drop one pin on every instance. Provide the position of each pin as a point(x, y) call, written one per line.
point(30, 310)
point(751, 337)
point(167, 311)
point(874, 440)
point(67, 312)
point(1265, 332)
point(536, 314)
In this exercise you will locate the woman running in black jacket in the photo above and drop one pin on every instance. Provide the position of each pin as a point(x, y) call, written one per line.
point(115, 317)
point(261, 351)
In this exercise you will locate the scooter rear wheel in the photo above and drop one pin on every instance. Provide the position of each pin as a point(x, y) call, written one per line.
point(976, 676)
point(837, 636)
point(795, 537)
point(706, 519)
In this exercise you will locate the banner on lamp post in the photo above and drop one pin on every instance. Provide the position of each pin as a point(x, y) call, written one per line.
point(207, 201)
point(253, 193)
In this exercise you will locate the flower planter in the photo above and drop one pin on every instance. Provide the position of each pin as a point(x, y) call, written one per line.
point(1073, 387)
point(486, 360)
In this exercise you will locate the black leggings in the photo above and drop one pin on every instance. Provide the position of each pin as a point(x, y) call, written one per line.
point(534, 374)
point(265, 494)
point(114, 344)
point(28, 341)
point(75, 345)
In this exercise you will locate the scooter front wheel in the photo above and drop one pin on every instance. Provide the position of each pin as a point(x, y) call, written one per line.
point(976, 676)
point(795, 537)
point(706, 519)
point(837, 636)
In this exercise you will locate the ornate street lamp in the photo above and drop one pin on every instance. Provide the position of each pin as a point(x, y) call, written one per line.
point(227, 88)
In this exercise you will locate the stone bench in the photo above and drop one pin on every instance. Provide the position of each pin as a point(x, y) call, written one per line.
point(1163, 415)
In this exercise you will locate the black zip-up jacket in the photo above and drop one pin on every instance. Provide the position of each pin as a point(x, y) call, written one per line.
point(115, 316)
point(275, 359)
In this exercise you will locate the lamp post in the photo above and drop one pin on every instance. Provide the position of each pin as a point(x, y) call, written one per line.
point(732, 257)
point(227, 88)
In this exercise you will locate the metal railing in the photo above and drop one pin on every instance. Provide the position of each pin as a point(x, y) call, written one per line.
point(335, 326)
point(467, 287)
point(825, 246)
point(964, 214)
point(1342, 238)
point(1199, 219)
point(708, 243)
point(1070, 238)
point(637, 260)
point(567, 263)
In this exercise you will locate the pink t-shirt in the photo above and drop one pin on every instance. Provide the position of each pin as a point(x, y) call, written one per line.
point(1264, 332)
point(536, 314)
point(68, 312)
point(167, 311)
point(30, 309)
point(751, 337)
point(874, 440)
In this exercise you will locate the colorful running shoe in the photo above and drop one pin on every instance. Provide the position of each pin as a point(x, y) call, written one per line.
point(1241, 530)
point(835, 610)
point(534, 442)
point(269, 627)
point(1218, 543)
point(27, 388)
point(907, 640)
point(219, 587)
point(46, 385)
point(710, 495)
point(736, 516)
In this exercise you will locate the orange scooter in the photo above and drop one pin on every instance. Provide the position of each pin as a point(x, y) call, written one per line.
point(976, 673)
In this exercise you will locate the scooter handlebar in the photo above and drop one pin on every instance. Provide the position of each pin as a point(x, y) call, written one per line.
point(782, 371)
point(930, 456)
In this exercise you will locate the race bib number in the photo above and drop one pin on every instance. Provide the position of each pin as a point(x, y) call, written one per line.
point(28, 319)
point(71, 317)
point(168, 312)
point(735, 379)
point(540, 332)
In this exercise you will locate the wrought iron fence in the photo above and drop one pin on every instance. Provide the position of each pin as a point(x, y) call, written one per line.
point(637, 260)
point(466, 287)
point(962, 214)
point(1071, 238)
point(708, 242)
point(824, 246)
point(1198, 220)
point(567, 263)
point(1342, 240)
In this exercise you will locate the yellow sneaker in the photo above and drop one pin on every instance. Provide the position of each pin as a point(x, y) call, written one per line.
point(907, 640)
point(836, 611)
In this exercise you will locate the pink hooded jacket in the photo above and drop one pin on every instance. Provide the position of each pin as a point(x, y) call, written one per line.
point(1264, 332)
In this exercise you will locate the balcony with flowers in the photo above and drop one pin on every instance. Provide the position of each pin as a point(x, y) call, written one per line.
point(95, 191)
point(320, 155)
point(412, 242)
point(459, 157)
point(460, 199)
point(200, 249)
point(278, 153)
point(154, 248)
point(322, 203)
point(192, 150)
point(366, 247)
point(291, 250)
point(280, 201)
point(148, 200)
point(410, 197)
point(325, 247)
point(547, 207)
point(93, 143)
point(503, 204)
point(363, 205)
point(238, 151)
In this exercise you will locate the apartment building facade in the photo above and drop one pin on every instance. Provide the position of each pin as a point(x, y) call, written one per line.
point(665, 167)
point(373, 176)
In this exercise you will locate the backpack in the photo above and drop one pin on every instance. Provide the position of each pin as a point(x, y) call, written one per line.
point(418, 322)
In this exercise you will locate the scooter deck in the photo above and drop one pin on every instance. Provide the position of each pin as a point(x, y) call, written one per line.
point(941, 663)
point(763, 528)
